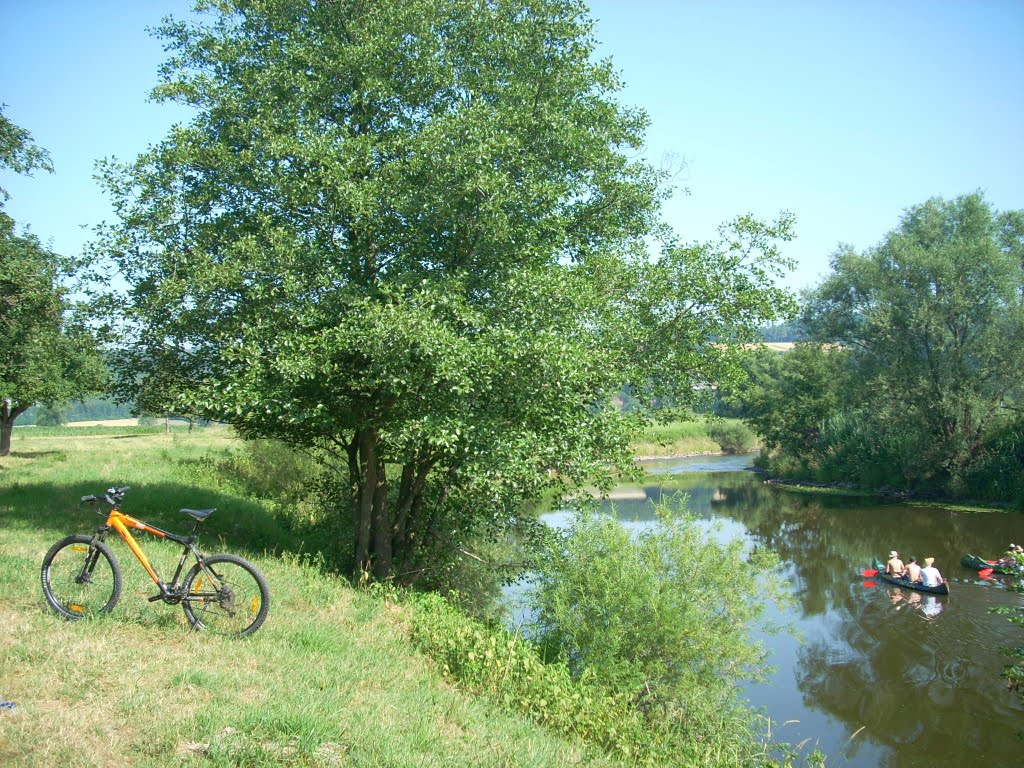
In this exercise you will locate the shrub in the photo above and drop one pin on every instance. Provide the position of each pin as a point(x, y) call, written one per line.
point(510, 670)
point(664, 618)
point(998, 470)
point(733, 436)
point(50, 416)
point(507, 668)
point(270, 469)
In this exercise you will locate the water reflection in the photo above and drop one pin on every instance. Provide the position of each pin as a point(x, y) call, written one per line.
point(885, 675)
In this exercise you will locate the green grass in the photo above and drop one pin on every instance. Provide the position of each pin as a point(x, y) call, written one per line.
point(96, 431)
point(330, 679)
point(686, 438)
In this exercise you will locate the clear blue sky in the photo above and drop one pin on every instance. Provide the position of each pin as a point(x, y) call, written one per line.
point(844, 113)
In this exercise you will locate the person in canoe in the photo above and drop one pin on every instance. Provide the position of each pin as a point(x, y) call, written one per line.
point(895, 566)
point(930, 575)
point(1014, 556)
point(913, 573)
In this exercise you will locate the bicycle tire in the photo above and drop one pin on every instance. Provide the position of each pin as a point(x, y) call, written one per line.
point(75, 580)
point(225, 594)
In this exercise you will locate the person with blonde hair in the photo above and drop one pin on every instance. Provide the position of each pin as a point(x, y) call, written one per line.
point(930, 575)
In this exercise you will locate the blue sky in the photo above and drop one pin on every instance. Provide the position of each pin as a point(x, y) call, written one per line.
point(844, 113)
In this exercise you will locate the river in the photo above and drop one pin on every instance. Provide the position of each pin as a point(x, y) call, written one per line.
point(877, 675)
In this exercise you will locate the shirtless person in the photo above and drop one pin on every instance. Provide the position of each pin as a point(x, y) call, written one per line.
point(913, 570)
point(895, 567)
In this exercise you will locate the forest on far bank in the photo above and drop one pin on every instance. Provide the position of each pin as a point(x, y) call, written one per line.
point(910, 378)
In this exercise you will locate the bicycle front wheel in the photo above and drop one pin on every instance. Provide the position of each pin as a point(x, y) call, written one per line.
point(225, 594)
point(81, 578)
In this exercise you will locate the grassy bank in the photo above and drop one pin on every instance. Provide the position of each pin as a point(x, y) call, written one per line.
point(700, 436)
point(331, 679)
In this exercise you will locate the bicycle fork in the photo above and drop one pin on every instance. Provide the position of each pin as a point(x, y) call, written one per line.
point(85, 575)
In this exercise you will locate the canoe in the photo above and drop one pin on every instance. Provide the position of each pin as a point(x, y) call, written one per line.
point(942, 589)
point(976, 563)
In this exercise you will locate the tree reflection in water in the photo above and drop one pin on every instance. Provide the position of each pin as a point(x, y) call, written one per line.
point(919, 672)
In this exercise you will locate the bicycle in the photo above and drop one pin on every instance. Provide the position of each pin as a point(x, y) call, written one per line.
point(82, 577)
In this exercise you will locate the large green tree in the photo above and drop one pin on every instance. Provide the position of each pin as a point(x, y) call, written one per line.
point(413, 236)
point(45, 356)
point(933, 319)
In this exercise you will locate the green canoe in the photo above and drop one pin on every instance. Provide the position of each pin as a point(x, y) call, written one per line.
point(976, 563)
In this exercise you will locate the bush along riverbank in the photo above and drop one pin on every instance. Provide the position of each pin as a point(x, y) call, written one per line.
point(626, 649)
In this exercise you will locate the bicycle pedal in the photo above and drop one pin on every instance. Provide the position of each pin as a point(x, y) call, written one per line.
point(161, 596)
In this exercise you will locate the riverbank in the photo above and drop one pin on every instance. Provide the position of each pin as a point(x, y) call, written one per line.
point(333, 678)
point(693, 455)
point(909, 498)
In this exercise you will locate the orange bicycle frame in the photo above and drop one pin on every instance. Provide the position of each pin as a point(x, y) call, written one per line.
point(122, 523)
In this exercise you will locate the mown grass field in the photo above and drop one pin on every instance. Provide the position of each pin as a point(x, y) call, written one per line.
point(330, 680)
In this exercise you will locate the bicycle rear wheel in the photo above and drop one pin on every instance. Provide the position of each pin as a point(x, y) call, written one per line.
point(225, 594)
point(81, 578)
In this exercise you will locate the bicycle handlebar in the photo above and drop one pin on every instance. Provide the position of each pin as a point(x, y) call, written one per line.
point(112, 496)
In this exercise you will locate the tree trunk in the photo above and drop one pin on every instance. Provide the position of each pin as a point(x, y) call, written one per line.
point(366, 486)
point(6, 425)
point(414, 479)
point(373, 516)
point(382, 550)
point(8, 413)
point(404, 502)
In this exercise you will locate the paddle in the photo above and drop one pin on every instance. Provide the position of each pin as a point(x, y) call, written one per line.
point(985, 573)
point(868, 573)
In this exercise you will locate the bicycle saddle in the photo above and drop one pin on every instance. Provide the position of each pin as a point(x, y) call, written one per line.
point(198, 514)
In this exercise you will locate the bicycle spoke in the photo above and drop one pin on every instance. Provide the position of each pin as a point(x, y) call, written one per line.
point(228, 596)
point(80, 580)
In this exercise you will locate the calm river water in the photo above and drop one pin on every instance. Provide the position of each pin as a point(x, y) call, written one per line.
point(880, 676)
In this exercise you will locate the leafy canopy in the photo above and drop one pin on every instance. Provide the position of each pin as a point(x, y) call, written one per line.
point(414, 236)
point(19, 153)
